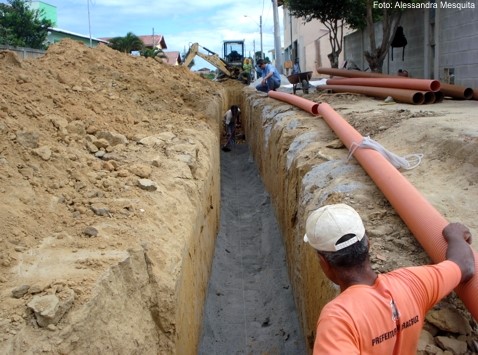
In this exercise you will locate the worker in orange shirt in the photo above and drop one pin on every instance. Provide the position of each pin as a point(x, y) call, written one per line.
point(378, 314)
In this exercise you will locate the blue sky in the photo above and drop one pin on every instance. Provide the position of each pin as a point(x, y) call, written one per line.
point(181, 22)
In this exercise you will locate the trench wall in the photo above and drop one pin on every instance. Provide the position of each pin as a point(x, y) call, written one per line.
point(301, 171)
point(151, 302)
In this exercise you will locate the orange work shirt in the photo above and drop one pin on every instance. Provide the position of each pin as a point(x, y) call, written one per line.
point(387, 317)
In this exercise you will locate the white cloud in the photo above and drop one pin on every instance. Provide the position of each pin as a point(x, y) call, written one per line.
point(207, 22)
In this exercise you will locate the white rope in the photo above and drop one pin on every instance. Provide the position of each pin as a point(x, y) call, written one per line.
point(407, 162)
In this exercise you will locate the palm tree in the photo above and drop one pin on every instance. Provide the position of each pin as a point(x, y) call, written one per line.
point(127, 44)
point(153, 53)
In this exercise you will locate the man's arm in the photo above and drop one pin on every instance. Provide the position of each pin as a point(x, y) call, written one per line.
point(458, 237)
point(269, 72)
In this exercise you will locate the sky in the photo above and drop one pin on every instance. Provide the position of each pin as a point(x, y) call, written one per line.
point(180, 22)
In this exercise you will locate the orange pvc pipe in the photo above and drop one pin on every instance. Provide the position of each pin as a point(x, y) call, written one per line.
point(453, 91)
point(300, 102)
point(439, 96)
point(402, 95)
point(423, 220)
point(398, 83)
point(353, 73)
point(456, 91)
point(428, 97)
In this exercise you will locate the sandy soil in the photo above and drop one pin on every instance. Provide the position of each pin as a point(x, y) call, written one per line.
point(100, 154)
point(84, 133)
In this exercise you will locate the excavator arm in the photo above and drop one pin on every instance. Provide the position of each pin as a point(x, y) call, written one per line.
point(211, 57)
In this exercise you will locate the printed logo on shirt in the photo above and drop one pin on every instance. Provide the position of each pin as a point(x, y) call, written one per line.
point(392, 333)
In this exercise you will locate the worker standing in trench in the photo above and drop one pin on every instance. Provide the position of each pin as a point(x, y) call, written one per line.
point(378, 314)
point(232, 119)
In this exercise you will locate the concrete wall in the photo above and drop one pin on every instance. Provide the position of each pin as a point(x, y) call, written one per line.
point(442, 45)
point(24, 53)
point(458, 45)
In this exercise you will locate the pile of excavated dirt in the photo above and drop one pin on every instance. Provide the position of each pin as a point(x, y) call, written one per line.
point(101, 153)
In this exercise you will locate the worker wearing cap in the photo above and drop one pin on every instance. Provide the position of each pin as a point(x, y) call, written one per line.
point(378, 314)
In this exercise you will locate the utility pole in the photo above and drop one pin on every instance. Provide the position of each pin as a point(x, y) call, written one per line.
point(277, 44)
point(260, 32)
point(260, 28)
point(89, 22)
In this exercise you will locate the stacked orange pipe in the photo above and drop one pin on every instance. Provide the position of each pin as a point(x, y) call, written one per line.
point(398, 83)
point(403, 95)
point(453, 91)
point(423, 220)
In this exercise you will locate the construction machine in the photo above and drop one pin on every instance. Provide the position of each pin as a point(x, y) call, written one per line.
point(230, 66)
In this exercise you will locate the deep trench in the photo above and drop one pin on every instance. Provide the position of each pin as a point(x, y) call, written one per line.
point(249, 306)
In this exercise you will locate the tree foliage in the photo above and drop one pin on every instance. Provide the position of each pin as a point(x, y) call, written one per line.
point(333, 14)
point(153, 53)
point(357, 14)
point(22, 26)
point(127, 44)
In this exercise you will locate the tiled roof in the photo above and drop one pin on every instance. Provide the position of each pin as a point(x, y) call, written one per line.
point(154, 41)
point(173, 58)
point(148, 41)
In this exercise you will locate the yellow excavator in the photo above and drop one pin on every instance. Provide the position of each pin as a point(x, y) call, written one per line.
point(229, 67)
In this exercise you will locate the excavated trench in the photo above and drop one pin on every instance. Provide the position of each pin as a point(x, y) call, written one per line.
point(249, 305)
point(259, 298)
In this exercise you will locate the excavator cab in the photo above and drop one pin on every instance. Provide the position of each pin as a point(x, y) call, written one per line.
point(233, 55)
point(233, 52)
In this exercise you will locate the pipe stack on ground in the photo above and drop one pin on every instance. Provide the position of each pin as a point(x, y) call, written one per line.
point(402, 95)
point(430, 88)
point(423, 220)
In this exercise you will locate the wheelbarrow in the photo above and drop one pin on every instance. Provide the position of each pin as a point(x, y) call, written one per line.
point(300, 81)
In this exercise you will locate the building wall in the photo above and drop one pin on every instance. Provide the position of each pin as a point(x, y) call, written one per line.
point(458, 45)
point(442, 45)
point(49, 11)
point(413, 54)
point(311, 40)
point(54, 37)
point(24, 53)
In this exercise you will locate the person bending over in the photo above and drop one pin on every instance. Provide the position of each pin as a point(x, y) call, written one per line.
point(270, 77)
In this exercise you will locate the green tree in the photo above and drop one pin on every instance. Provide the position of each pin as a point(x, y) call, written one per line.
point(358, 14)
point(390, 18)
point(21, 26)
point(257, 56)
point(127, 44)
point(332, 13)
point(153, 53)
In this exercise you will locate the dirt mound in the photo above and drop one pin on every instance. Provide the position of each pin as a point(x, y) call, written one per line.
point(84, 135)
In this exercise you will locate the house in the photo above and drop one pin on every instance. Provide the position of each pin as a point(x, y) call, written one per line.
point(154, 41)
point(57, 34)
point(204, 71)
point(173, 58)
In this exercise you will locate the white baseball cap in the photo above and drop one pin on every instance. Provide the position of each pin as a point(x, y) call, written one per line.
point(326, 225)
